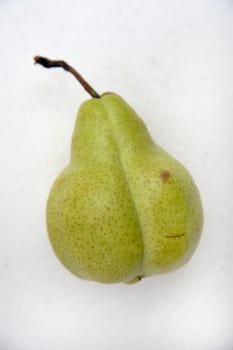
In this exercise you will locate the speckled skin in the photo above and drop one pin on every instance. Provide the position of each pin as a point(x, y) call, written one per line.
point(123, 208)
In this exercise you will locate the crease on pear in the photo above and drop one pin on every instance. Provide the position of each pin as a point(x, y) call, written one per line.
point(139, 274)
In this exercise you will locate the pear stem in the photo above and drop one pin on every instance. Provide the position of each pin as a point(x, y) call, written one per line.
point(47, 63)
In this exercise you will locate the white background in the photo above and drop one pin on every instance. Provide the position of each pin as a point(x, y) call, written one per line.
point(172, 61)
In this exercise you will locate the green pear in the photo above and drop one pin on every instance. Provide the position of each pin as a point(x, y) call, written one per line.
point(123, 208)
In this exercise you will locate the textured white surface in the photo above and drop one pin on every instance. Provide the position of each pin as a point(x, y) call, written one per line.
point(172, 61)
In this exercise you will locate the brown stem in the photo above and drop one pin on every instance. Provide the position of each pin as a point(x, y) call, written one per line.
point(47, 63)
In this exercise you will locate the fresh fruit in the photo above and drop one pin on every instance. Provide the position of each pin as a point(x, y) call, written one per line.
point(123, 208)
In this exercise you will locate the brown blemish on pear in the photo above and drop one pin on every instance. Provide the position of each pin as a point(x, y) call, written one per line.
point(165, 175)
point(176, 236)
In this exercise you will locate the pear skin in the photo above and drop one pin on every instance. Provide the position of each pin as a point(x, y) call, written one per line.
point(123, 207)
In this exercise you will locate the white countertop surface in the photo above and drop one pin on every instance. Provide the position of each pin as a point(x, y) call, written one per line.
point(172, 61)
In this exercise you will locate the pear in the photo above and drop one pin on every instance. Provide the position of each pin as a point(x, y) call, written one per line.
point(123, 208)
